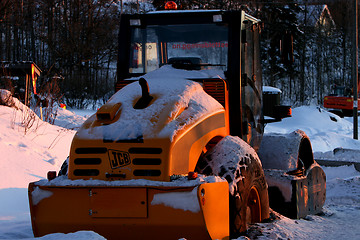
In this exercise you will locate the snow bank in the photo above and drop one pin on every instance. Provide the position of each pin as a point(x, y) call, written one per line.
point(30, 146)
point(342, 172)
point(344, 185)
point(340, 154)
point(326, 130)
point(69, 119)
point(6, 98)
point(80, 235)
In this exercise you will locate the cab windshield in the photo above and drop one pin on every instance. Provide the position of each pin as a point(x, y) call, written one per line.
point(193, 47)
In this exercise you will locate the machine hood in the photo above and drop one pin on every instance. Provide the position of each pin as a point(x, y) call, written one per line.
point(176, 104)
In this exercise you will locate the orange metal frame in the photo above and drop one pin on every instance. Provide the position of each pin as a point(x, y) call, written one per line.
point(339, 102)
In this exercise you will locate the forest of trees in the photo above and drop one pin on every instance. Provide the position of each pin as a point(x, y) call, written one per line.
point(75, 42)
point(322, 50)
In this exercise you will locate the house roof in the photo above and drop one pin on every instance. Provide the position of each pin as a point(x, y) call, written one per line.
point(19, 68)
point(313, 15)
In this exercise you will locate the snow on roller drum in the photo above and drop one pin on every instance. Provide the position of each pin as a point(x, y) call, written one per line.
point(174, 152)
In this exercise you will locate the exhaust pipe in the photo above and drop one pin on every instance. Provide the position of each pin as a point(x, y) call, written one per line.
point(145, 99)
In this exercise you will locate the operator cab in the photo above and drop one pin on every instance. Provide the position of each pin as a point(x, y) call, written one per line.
point(225, 43)
point(341, 91)
point(184, 44)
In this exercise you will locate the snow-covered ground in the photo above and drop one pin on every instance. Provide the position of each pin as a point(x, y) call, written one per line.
point(28, 157)
point(342, 207)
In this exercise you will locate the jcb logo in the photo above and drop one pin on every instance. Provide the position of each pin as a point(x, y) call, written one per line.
point(118, 158)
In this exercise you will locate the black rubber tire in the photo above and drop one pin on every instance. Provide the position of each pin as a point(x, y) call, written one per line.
point(253, 179)
point(244, 174)
point(64, 168)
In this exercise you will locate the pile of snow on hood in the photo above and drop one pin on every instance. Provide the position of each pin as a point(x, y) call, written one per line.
point(177, 103)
